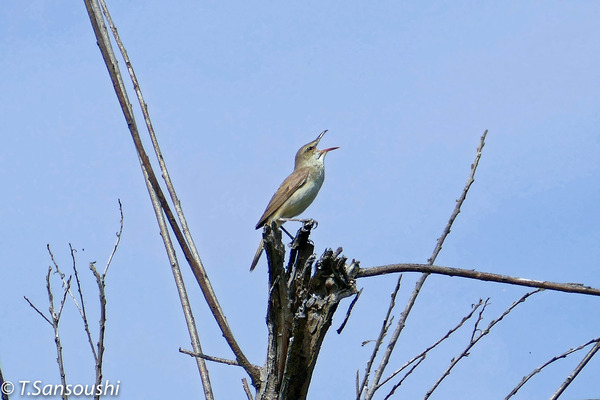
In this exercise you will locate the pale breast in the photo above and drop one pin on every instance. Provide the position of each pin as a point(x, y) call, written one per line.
point(303, 197)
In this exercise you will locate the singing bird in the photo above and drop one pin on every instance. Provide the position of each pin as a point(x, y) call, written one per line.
point(298, 190)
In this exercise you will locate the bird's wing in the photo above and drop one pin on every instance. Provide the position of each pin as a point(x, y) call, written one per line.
point(287, 188)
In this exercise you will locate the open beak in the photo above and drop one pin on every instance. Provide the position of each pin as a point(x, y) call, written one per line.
point(317, 140)
point(329, 149)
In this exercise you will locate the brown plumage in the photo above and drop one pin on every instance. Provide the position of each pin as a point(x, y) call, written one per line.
point(298, 190)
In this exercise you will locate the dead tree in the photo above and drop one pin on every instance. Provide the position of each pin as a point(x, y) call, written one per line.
point(300, 311)
point(303, 295)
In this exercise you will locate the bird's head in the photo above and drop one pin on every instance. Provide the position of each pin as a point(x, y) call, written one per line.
point(309, 154)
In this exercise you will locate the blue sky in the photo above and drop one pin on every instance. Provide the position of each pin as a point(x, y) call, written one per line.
point(405, 89)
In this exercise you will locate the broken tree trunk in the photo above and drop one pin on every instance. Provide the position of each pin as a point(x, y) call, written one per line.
point(300, 311)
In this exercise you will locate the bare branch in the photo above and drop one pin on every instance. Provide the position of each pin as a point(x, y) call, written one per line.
point(55, 321)
point(112, 253)
point(395, 335)
point(379, 341)
point(63, 275)
point(427, 350)
point(210, 358)
point(350, 307)
point(576, 371)
point(419, 285)
point(184, 300)
point(38, 310)
point(155, 190)
point(460, 201)
point(55, 316)
point(473, 274)
point(66, 284)
point(478, 321)
point(55, 263)
point(81, 308)
point(62, 302)
point(475, 338)
point(247, 389)
point(101, 325)
point(410, 371)
point(544, 365)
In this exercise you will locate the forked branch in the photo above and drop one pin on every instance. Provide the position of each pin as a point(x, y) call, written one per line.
point(55, 315)
point(420, 357)
point(54, 321)
point(576, 371)
point(476, 336)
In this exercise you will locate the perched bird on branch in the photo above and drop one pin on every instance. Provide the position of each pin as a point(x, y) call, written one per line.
point(297, 191)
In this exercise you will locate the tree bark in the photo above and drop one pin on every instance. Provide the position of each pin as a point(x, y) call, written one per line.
point(300, 311)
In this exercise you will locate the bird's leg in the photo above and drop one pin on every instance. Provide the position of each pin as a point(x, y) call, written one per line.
point(310, 221)
point(286, 231)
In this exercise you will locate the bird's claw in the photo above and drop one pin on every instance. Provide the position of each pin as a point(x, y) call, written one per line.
point(314, 224)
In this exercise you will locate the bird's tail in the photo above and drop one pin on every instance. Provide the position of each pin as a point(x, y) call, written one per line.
point(257, 255)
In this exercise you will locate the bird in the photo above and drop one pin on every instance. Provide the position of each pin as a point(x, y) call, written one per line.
point(298, 190)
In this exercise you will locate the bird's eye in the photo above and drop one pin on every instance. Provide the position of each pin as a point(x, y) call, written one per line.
point(310, 147)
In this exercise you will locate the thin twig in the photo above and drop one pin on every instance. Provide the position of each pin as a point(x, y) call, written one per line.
point(81, 308)
point(428, 349)
point(62, 274)
point(410, 371)
point(379, 341)
point(55, 321)
point(114, 250)
point(98, 352)
point(100, 281)
point(479, 319)
point(37, 309)
point(460, 201)
point(54, 262)
point(210, 358)
point(576, 371)
point(476, 337)
point(64, 299)
point(419, 285)
point(544, 365)
point(350, 307)
point(473, 274)
point(247, 389)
